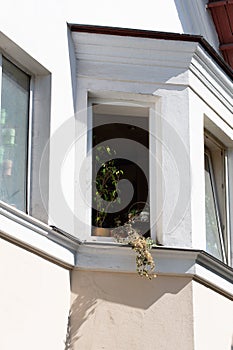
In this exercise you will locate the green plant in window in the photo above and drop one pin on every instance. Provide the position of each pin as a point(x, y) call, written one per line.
point(106, 183)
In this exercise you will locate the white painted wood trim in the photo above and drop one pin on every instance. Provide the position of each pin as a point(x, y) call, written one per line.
point(29, 144)
point(11, 50)
point(212, 77)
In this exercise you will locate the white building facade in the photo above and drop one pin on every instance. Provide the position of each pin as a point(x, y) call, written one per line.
point(158, 94)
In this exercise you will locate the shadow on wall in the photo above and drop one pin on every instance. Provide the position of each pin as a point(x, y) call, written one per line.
point(125, 289)
point(82, 308)
point(109, 297)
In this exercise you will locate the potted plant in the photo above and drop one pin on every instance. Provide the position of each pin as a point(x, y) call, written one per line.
point(106, 191)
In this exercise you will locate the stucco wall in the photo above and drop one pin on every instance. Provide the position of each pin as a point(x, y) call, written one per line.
point(34, 301)
point(122, 311)
point(41, 30)
point(213, 319)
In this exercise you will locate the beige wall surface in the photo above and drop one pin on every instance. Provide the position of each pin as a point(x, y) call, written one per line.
point(125, 312)
point(213, 319)
point(34, 301)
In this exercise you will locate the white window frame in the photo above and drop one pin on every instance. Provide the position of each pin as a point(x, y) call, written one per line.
point(216, 205)
point(29, 127)
point(223, 219)
point(83, 210)
point(38, 124)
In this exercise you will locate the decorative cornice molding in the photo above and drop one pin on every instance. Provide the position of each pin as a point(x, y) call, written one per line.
point(205, 69)
point(170, 261)
point(156, 62)
point(202, 57)
point(126, 32)
point(59, 247)
point(32, 234)
point(35, 250)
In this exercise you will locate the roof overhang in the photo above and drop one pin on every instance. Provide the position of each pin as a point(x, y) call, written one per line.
point(126, 32)
point(222, 13)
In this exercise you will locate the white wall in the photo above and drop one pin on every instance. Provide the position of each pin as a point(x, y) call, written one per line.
point(40, 28)
point(213, 319)
point(196, 19)
point(34, 301)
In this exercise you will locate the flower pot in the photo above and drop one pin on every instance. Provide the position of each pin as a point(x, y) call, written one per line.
point(8, 136)
point(101, 232)
point(7, 167)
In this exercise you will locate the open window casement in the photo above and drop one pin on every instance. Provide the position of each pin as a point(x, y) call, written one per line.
point(122, 129)
point(215, 198)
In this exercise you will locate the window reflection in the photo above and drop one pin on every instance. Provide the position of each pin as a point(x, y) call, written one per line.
point(213, 228)
point(13, 135)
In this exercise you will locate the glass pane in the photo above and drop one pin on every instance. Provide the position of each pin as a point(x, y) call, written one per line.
point(13, 135)
point(213, 244)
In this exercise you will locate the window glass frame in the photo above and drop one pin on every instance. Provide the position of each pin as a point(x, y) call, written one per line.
point(152, 169)
point(220, 190)
point(27, 166)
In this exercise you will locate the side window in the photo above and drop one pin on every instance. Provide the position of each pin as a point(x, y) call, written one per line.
point(215, 198)
point(15, 92)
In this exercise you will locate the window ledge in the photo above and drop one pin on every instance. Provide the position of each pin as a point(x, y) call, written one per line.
point(69, 252)
point(171, 261)
point(37, 237)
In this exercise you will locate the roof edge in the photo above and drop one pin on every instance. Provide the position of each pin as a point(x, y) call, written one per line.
point(150, 34)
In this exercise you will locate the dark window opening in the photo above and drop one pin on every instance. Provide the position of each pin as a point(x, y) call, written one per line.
point(120, 145)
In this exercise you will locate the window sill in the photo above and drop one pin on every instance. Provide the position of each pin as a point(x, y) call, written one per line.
point(67, 251)
point(169, 261)
point(37, 237)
